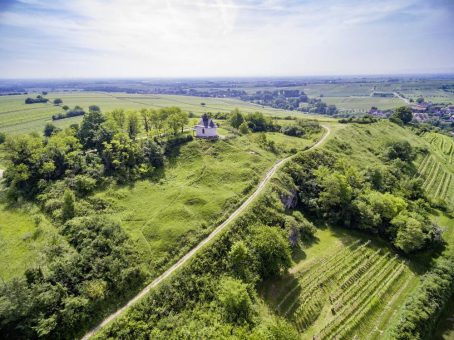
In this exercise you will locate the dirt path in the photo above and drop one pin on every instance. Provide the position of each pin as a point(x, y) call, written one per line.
point(213, 234)
point(402, 98)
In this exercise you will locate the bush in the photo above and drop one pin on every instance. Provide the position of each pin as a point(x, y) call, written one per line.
point(293, 130)
point(400, 150)
point(235, 300)
point(423, 307)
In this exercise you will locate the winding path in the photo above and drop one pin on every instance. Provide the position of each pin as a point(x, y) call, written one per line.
point(192, 252)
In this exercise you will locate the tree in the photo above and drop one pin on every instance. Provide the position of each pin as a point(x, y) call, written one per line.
point(89, 129)
point(235, 300)
point(176, 119)
point(404, 114)
point(2, 137)
point(400, 150)
point(420, 100)
point(146, 119)
point(94, 108)
point(50, 129)
point(410, 235)
point(271, 250)
point(236, 118)
point(244, 128)
point(133, 124)
point(241, 262)
point(65, 107)
point(68, 205)
point(58, 101)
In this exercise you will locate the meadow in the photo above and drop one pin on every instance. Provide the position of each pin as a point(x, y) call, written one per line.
point(198, 189)
point(24, 233)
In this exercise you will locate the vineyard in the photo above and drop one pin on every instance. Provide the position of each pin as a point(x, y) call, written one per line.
point(436, 169)
point(342, 294)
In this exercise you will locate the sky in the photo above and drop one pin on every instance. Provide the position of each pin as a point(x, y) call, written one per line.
point(224, 38)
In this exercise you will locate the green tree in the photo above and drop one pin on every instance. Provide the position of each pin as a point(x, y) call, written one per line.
point(58, 101)
point(119, 118)
point(401, 150)
point(133, 124)
point(68, 209)
point(244, 128)
point(146, 119)
point(65, 107)
point(420, 100)
point(176, 119)
point(89, 131)
point(271, 250)
point(94, 108)
point(404, 114)
point(235, 300)
point(241, 262)
point(236, 118)
point(50, 129)
point(2, 137)
point(410, 234)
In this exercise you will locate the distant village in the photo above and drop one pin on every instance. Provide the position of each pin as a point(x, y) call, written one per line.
point(423, 111)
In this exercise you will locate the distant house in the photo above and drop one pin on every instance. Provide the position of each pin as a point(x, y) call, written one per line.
point(381, 94)
point(206, 128)
point(418, 108)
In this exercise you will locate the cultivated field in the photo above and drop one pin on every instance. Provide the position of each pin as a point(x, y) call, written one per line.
point(17, 117)
point(437, 168)
point(363, 104)
point(346, 287)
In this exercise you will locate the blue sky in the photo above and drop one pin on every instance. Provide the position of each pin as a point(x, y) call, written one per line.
point(201, 38)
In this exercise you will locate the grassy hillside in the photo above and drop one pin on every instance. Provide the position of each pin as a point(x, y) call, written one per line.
point(199, 188)
point(24, 233)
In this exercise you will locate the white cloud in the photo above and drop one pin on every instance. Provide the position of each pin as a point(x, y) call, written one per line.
point(218, 38)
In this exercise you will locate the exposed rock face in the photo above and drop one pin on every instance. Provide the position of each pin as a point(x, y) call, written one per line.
point(289, 200)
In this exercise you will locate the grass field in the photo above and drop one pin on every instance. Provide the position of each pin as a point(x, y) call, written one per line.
point(363, 104)
point(199, 187)
point(17, 117)
point(21, 238)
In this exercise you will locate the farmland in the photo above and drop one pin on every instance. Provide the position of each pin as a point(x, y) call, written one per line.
point(341, 288)
point(437, 168)
point(363, 104)
point(18, 117)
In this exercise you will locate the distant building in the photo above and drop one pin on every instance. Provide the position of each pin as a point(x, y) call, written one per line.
point(420, 117)
point(206, 128)
point(418, 108)
point(381, 94)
